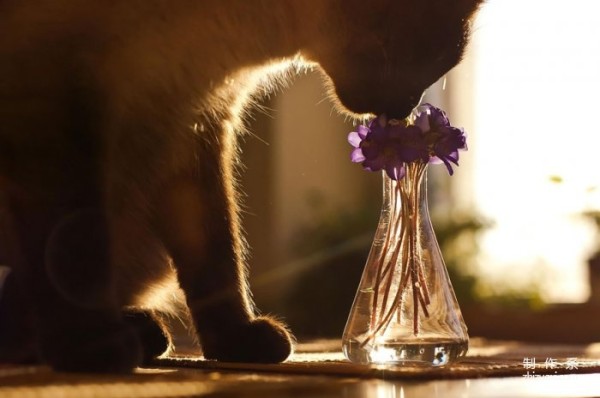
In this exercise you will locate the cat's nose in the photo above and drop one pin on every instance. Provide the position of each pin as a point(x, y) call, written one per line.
point(400, 110)
point(399, 107)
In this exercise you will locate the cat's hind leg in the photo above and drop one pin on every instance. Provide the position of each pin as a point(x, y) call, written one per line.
point(199, 224)
point(64, 258)
point(18, 344)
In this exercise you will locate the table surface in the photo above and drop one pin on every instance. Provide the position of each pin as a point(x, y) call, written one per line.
point(492, 369)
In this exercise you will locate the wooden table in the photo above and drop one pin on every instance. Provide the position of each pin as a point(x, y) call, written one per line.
point(492, 369)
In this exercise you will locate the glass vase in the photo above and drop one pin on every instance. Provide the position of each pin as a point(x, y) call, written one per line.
point(405, 311)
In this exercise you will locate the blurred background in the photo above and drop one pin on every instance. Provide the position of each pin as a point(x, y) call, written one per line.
point(519, 221)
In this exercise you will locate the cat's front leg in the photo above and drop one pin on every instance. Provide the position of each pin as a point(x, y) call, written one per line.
point(200, 229)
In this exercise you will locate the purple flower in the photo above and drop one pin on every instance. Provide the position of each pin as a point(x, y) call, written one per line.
point(411, 144)
point(443, 140)
point(390, 145)
point(379, 147)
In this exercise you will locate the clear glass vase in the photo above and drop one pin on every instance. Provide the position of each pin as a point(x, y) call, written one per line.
point(405, 311)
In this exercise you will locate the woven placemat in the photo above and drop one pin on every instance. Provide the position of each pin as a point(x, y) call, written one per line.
point(315, 368)
point(485, 359)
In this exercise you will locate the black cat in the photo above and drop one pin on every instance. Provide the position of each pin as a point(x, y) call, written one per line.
point(118, 124)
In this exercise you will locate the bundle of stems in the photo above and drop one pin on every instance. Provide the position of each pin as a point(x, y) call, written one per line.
point(399, 263)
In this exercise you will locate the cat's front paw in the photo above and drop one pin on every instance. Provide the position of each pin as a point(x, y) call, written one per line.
point(152, 337)
point(263, 340)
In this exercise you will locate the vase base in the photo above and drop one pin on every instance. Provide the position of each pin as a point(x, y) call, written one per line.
point(419, 353)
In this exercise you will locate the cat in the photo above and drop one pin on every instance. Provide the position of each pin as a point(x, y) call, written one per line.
point(118, 126)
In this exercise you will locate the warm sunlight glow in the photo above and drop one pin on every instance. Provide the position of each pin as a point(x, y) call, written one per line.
point(536, 105)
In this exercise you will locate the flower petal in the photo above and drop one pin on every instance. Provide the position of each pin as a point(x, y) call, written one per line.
point(437, 117)
point(422, 122)
point(453, 157)
point(362, 131)
point(354, 139)
point(448, 166)
point(357, 155)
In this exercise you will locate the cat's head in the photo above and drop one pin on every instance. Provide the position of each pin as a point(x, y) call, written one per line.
point(382, 54)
